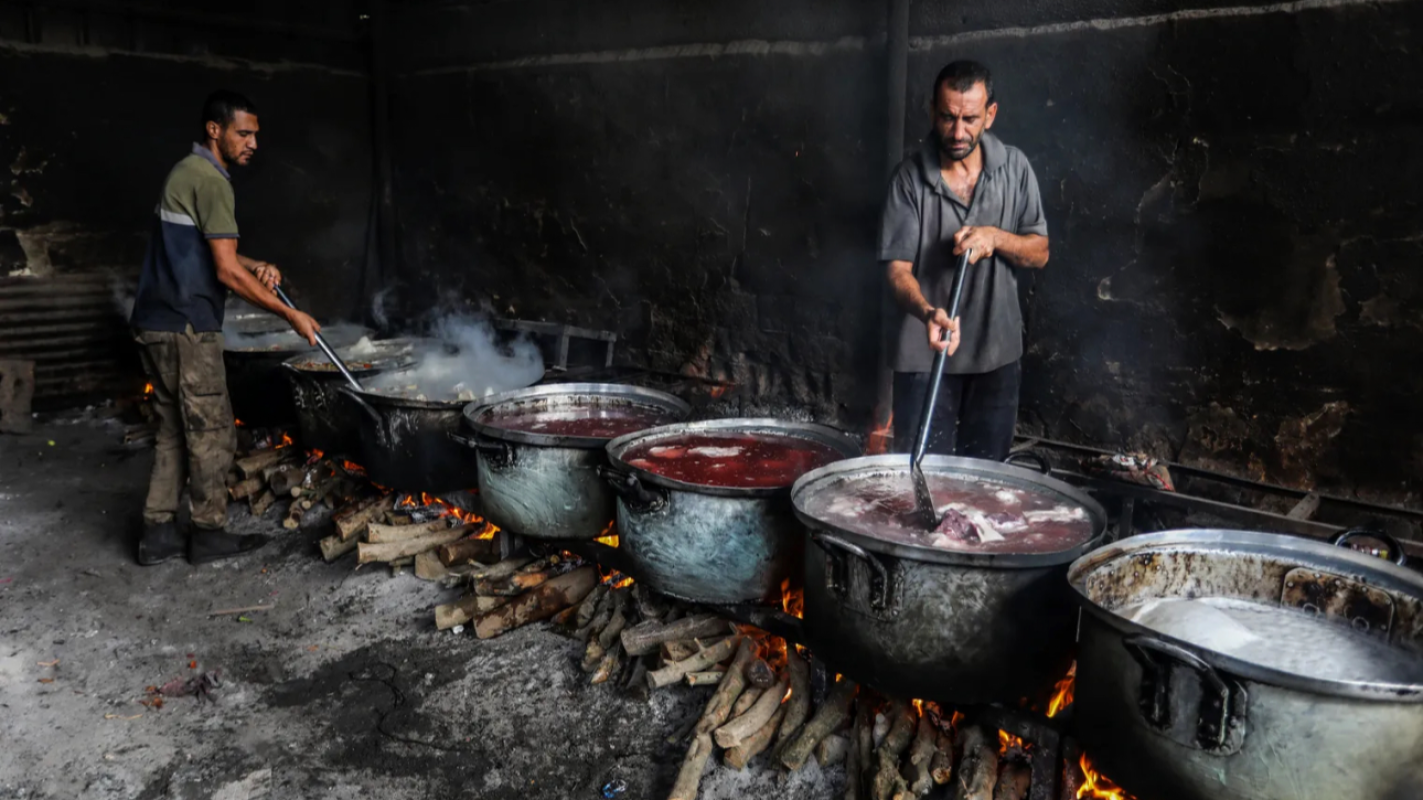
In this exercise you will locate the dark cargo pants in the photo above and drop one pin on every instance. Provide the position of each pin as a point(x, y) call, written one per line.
point(196, 439)
point(975, 415)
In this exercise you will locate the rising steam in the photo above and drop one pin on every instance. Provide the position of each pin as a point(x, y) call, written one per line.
point(464, 359)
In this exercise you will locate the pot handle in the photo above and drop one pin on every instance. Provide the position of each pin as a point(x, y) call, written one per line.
point(1395, 547)
point(878, 599)
point(634, 494)
point(491, 446)
point(1039, 461)
point(1220, 702)
point(366, 407)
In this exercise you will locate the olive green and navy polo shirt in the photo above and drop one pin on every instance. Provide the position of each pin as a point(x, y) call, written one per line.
point(179, 285)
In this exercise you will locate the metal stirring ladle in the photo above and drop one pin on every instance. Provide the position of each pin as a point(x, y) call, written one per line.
point(924, 509)
point(325, 347)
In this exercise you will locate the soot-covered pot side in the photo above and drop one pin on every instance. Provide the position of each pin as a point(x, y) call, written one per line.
point(705, 544)
point(405, 444)
point(919, 622)
point(1170, 720)
point(549, 486)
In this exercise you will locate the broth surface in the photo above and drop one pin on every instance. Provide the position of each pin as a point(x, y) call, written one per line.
point(732, 460)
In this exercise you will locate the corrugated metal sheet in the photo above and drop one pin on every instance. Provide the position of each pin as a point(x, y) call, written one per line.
point(72, 328)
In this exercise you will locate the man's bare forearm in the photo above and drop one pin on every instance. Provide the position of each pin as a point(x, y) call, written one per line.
point(249, 264)
point(237, 276)
point(905, 288)
point(1030, 251)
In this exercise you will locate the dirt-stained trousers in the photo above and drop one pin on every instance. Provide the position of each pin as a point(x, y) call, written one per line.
point(196, 439)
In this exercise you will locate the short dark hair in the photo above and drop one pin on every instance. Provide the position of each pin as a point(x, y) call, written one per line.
point(222, 105)
point(962, 75)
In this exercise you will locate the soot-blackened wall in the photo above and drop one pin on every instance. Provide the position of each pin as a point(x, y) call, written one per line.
point(1236, 228)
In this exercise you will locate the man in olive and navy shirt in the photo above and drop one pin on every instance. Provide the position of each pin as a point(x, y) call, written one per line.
point(964, 191)
point(192, 261)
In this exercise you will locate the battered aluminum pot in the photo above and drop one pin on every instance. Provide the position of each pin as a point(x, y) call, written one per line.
point(707, 544)
point(1169, 720)
point(406, 444)
point(327, 423)
point(918, 621)
point(547, 486)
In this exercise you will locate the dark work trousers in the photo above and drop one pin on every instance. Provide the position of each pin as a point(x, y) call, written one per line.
point(974, 417)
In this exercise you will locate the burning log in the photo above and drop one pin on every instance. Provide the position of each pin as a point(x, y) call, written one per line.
point(832, 750)
point(353, 523)
point(384, 534)
point(252, 466)
point(463, 610)
point(390, 551)
point(798, 706)
point(644, 638)
point(258, 505)
point(676, 651)
point(978, 766)
point(467, 551)
point(941, 767)
point(588, 609)
point(739, 756)
point(749, 695)
point(760, 674)
point(750, 722)
point(831, 715)
point(508, 566)
point(515, 583)
point(1072, 777)
point(689, 777)
point(245, 488)
point(888, 783)
point(710, 677)
point(539, 603)
point(333, 547)
point(921, 757)
point(708, 656)
point(1013, 782)
point(598, 639)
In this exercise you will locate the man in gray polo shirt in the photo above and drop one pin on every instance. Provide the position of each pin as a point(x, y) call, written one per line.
point(964, 191)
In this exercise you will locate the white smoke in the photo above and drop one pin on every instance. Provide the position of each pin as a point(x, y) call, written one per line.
point(379, 303)
point(464, 360)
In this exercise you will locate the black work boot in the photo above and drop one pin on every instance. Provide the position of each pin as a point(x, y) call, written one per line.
point(160, 541)
point(214, 545)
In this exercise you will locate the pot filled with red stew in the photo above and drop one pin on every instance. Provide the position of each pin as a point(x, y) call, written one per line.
point(704, 510)
point(539, 451)
point(974, 610)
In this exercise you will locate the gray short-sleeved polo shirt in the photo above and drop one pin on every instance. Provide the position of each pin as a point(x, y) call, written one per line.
point(920, 218)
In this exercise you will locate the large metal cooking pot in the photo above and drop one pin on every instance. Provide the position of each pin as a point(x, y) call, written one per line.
point(919, 621)
point(547, 486)
point(254, 357)
point(709, 544)
point(406, 444)
point(326, 422)
point(1170, 720)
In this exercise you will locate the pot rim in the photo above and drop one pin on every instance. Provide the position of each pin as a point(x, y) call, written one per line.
point(934, 555)
point(390, 401)
point(1315, 554)
point(841, 441)
point(637, 395)
point(319, 374)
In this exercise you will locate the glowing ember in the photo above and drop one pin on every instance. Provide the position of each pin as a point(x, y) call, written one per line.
point(624, 583)
point(719, 390)
point(609, 536)
point(792, 600)
point(879, 440)
point(1062, 693)
point(285, 442)
point(352, 467)
point(147, 389)
point(1007, 741)
point(444, 508)
point(918, 706)
point(239, 423)
point(1097, 786)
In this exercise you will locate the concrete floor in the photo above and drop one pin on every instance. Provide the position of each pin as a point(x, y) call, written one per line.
point(343, 690)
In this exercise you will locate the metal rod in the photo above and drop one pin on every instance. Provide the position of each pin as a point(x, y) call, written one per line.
point(325, 348)
point(931, 398)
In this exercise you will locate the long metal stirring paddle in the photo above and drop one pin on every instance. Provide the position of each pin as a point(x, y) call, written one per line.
point(924, 508)
point(325, 348)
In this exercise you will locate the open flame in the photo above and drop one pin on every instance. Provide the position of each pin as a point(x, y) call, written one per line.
point(609, 536)
point(147, 389)
point(1097, 786)
point(1007, 741)
point(792, 600)
point(445, 508)
point(1062, 692)
point(285, 442)
point(880, 439)
point(719, 390)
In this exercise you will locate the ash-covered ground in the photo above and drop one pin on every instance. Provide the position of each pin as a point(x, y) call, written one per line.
point(342, 690)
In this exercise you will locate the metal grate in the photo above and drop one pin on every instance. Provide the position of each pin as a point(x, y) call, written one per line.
point(72, 328)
